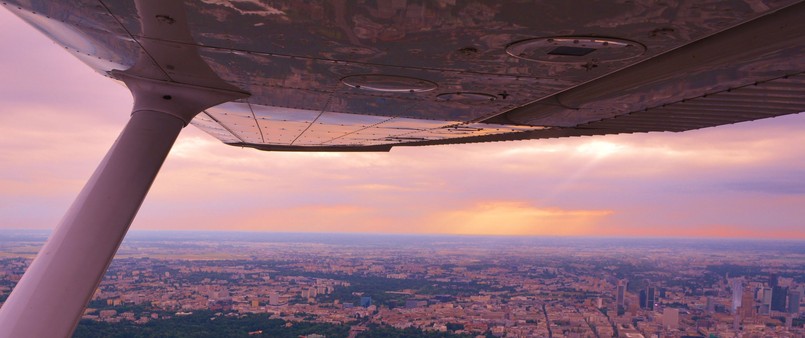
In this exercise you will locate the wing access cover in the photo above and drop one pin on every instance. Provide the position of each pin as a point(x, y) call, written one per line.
point(370, 75)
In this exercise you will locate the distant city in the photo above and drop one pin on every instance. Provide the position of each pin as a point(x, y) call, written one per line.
point(249, 284)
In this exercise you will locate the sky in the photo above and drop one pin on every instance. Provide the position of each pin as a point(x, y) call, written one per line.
point(58, 118)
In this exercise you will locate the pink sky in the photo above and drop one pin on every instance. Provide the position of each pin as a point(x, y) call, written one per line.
point(58, 118)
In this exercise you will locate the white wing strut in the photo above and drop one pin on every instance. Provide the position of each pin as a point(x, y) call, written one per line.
point(50, 298)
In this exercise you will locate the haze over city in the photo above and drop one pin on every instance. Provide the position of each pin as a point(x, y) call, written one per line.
point(58, 118)
point(244, 284)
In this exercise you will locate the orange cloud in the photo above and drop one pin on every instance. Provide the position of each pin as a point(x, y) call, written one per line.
point(515, 218)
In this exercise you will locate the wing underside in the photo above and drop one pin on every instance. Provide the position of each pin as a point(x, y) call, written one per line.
point(368, 76)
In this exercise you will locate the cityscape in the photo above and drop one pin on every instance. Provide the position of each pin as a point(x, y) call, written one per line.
point(360, 285)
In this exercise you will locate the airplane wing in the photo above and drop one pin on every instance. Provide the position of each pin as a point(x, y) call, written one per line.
point(370, 75)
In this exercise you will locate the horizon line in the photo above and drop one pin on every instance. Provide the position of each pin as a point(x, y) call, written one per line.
point(636, 237)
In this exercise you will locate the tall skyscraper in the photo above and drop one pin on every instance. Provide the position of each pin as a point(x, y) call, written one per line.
point(643, 299)
point(737, 294)
point(793, 301)
point(778, 296)
point(711, 304)
point(765, 301)
point(621, 294)
point(647, 297)
point(748, 304)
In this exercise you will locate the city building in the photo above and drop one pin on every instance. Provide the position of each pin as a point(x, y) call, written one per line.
point(737, 294)
point(647, 297)
point(621, 295)
point(747, 307)
point(793, 301)
point(711, 304)
point(778, 298)
point(670, 318)
point(765, 301)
